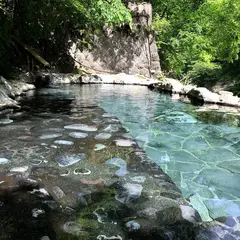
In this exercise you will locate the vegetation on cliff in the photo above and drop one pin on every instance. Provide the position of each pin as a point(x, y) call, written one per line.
point(198, 39)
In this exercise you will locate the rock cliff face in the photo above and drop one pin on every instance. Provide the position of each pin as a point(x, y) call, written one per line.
point(119, 51)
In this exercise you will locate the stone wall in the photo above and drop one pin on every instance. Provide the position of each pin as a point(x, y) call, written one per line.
point(115, 52)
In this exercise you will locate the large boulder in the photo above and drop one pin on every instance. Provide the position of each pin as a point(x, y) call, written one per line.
point(203, 94)
point(170, 85)
point(227, 98)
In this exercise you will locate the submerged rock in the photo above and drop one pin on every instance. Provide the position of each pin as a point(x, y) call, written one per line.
point(103, 136)
point(124, 142)
point(72, 228)
point(99, 182)
point(63, 142)
point(111, 128)
point(101, 215)
point(122, 171)
point(139, 179)
point(36, 212)
point(81, 127)
point(49, 136)
point(3, 160)
point(58, 192)
point(78, 135)
point(103, 237)
point(19, 169)
point(129, 192)
point(99, 147)
point(118, 162)
point(70, 159)
point(132, 225)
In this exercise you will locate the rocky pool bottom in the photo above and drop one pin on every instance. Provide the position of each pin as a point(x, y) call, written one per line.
point(69, 170)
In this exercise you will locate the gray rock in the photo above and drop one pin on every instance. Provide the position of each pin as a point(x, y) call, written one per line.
point(203, 94)
point(170, 85)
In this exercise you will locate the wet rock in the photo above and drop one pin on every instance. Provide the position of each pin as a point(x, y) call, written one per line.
point(19, 169)
point(148, 213)
point(203, 94)
point(103, 136)
point(132, 225)
point(190, 214)
point(63, 142)
point(36, 212)
point(99, 147)
point(124, 142)
point(122, 171)
point(73, 228)
point(78, 135)
point(103, 237)
point(139, 179)
point(58, 192)
point(129, 192)
point(118, 162)
point(99, 182)
point(69, 211)
point(5, 121)
point(50, 136)
point(67, 160)
point(170, 85)
point(81, 127)
point(3, 160)
point(101, 215)
point(111, 128)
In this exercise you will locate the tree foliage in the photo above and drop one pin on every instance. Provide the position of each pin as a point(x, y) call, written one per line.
point(194, 32)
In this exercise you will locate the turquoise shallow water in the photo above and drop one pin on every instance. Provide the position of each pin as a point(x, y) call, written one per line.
point(201, 157)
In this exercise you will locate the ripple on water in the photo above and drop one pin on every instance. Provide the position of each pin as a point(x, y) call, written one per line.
point(81, 127)
point(78, 135)
point(70, 159)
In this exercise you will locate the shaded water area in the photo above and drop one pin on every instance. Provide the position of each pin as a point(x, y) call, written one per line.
point(72, 166)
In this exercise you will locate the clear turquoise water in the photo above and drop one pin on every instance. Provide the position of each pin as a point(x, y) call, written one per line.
point(200, 156)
